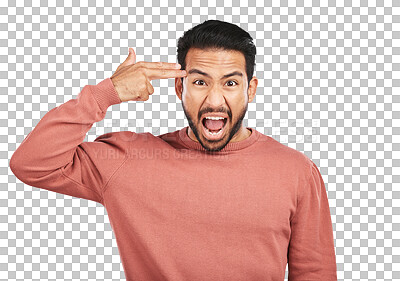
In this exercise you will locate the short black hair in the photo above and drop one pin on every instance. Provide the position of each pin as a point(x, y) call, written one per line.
point(216, 34)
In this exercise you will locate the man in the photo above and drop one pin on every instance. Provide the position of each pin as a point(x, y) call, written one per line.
point(212, 201)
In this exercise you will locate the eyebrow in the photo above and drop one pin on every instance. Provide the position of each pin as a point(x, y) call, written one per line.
point(195, 70)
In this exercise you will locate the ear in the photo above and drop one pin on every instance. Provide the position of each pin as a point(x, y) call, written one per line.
point(178, 87)
point(251, 91)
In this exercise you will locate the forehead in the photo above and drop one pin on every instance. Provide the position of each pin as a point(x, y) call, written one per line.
point(215, 60)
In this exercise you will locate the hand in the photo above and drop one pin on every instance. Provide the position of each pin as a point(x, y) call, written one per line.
point(132, 80)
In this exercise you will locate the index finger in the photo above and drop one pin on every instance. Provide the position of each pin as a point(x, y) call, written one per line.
point(159, 64)
point(161, 73)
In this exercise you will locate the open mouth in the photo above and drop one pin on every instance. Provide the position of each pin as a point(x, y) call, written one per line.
point(214, 129)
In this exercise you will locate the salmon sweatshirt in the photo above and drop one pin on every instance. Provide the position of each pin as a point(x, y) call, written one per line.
point(179, 212)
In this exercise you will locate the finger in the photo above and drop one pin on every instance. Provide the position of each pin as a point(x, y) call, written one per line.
point(150, 88)
point(133, 54)
point(161, 73)
point(131, 59)
point(160, 64)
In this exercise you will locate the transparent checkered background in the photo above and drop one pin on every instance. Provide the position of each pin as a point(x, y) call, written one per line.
point(329, 86)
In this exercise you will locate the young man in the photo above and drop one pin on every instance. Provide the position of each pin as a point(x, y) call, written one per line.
point(212, 201)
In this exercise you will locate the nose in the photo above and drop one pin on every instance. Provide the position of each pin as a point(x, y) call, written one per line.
point(215, 98)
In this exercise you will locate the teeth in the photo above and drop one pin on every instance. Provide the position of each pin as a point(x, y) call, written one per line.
point(214, 118)
point(213, 134)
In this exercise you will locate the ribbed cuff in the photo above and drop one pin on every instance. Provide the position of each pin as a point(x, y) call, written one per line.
point(105, 94)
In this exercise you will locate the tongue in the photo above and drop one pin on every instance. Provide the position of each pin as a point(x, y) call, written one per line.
point(214, 125)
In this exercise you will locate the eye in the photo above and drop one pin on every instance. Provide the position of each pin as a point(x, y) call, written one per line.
point(198, 81)
point(233, 82)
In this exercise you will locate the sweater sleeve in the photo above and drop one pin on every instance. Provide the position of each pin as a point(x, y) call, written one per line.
point(311, 253)
point(54, 157)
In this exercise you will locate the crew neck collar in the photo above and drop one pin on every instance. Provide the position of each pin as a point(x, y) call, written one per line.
point(231, 146)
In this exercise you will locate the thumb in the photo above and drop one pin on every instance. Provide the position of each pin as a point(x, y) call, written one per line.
point(131, 59)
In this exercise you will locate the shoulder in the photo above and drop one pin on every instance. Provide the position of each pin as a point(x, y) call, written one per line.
point(284, 156)
point(126, 140)
point(124, 136)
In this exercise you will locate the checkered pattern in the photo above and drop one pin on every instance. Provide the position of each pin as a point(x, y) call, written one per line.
point(328, 86)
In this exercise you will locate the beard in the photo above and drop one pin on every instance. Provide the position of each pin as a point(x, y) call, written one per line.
point(216, 145)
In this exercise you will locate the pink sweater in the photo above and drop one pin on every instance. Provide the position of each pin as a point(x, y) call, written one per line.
point(178, 212)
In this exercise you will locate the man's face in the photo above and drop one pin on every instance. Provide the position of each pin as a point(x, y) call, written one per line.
point(215, 86)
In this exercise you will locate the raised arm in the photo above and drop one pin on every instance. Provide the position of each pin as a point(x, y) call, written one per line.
point(53, 156)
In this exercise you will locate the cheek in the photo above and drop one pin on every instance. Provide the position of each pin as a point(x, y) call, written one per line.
point(189, 98)
point(192, 104)
point(236, 104)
